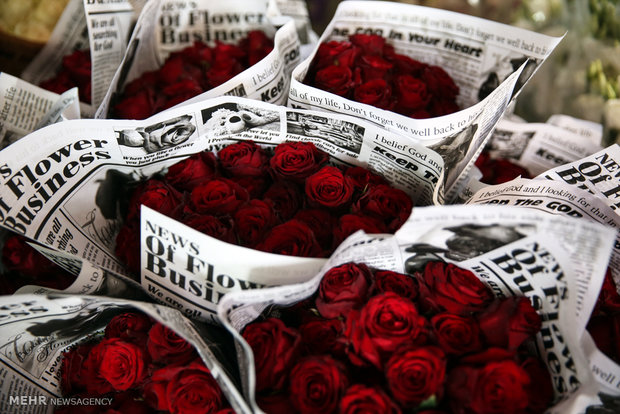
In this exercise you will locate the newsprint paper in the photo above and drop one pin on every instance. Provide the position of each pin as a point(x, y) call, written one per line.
point(37, 329)
point(64, 185)
point(558, 263)
point(480, 55)
point(166, 26)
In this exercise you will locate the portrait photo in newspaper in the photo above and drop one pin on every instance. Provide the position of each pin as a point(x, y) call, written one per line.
point(463, 242)
point(504, 67)
point(343, 134)
point(156, 137)
point(233, 118)
point(505, 143)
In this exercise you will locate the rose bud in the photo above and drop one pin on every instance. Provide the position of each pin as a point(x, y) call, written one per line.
point(403, 285)
point(375, 92)
point(114, 365)
point(388, 204)
point(456, 334)
point(131, 327)
point(296, 160)
point(350, 223)
point(329, 188)
point(508, 322)
point(411, 94)
point(323, 336)
point(335, 53)
point(416, 374)
point(362, 399)
point(335, 79)
point(374, 67)
point(166, 347)
point(187, 174)
point(218, 197)
point(286, 199)
point(498, 387)
point(253, 221)
point(243, 158)
point(444, 286)
point(343, 288)
point(292, 238)
point(317, 384)
point(275, 348)
point(384, 324)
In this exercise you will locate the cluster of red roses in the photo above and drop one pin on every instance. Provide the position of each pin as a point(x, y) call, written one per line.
point(288, 203)
point(499, 170)
point(367, 70)
point(380, 341)
point(75, 71)
point(30, 267)
point(143, 366)
point(188, 73)
point(604, 324)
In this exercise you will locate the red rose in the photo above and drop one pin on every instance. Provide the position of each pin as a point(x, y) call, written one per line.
point(388, 204)
point(113, 364)
point(362, 399)
point(508, 322)
point(361, 178)
point(218, 197)
point(71, 369)
point(275, 403)
point(608, 299)
point(317, 384)
point(335, 79)
point(540, 390)
point(255, 186)
point(187, 174)
point(444, 286)
point(329, 188)
point(220, 228)
point(127, 247)
point(243, 158)
point(404, 65)
point(498, 387)
point(384, 324)
point(457, 334)
point(257, 45)
point(138, 106)
point(416, 374)
point(131, 327)
point(350, 223)
point(286, 198)
point(370, 44)
point(166, 347)
point(335, 53)
point(412, 94)
point(374, 67)
point(223, 69)
point(154, 194)
point(321, 222)
point(403, 285)
point(343, 288)
point(297, 160)
point(439, 83)
point(275, 348)
point(184, 390)
point(75, 72)
point(323, 336)
point(499, 170)
point(375, 92)
point(253, 221)
point(292, 238)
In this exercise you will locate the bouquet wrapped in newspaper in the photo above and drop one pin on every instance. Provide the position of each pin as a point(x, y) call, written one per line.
point(437, 60)
point(557, 263)
point(84, 50)
point(27, 107)
point(200, 49)
point(68, 186)
point(67, 353)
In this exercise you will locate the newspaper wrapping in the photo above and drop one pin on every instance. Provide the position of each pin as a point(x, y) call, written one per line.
point(558, 263)
point(101, 27)
point(25, 107)
point(298, 10)
point(39, 328)
point(477, 53)
point(63, 187)
point(166, 26)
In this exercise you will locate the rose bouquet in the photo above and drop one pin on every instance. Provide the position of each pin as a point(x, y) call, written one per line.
point(499, 170)
point(604, 324)
point(142, 366)
point(368, 70)
point(389, 343)
point(74, 72)
point(289, 201)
